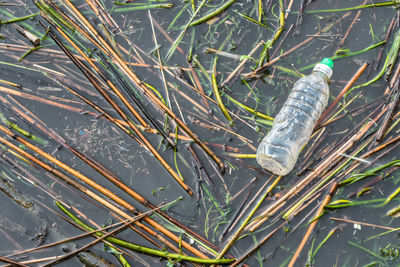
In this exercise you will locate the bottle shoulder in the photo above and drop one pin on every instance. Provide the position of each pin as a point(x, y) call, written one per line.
point(315, 80)
point(315, 76)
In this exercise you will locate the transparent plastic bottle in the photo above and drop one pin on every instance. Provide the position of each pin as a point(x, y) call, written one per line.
point(294, 124)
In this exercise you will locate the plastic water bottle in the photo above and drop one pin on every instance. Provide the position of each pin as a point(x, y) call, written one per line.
point(294, 124)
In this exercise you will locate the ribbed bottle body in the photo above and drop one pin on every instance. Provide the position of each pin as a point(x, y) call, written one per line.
point(294, 124)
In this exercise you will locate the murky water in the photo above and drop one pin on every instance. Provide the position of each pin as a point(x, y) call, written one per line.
point(212, 207)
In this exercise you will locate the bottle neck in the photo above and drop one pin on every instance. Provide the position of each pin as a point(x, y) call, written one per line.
point(321, 74)
point(322, 68)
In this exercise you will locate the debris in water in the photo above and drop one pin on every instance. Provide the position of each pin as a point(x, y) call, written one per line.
point(14, 193)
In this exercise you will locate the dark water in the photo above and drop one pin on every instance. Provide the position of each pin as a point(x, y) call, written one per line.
point(137, 168)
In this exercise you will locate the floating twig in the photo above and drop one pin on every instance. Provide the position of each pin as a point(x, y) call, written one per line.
point(143, 249)
point(355, 19)
point(390, 114)
point(213, 13)
point(18, 19)
point(390, 3)
point(12, 262)
point(325, 202)
point(241, 64)
point(204, 173)
point(342, 93)
point(387, 67)
point(180, 36)
point(247, 220)
point(291, 50)
point(135, 7)
point(217, 93)
point(362, 223)
point(30, 36)
point(90, 193)
point(144, 88)
point(380, 53)
point(92, 79)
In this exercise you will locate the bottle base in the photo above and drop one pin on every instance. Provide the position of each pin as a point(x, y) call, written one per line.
point(270, 164)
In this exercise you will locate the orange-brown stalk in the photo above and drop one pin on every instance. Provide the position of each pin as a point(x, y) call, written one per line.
point(108, 174)
point(90, 193)
point(314, 223)
point(40, 99)
point(106, 96)
point(345, 89)
point(77, 174)
point(86, 191)
point(355, 19)
point(362, 223)
point(112, 86)
point(147, 91)
point(12, 262)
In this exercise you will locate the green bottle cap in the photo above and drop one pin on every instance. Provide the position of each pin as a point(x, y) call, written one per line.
point(328, 62)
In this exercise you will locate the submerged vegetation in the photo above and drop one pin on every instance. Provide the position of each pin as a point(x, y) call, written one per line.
point(137, 122)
